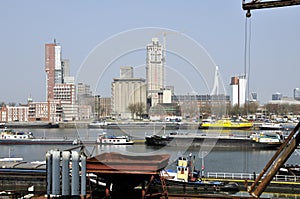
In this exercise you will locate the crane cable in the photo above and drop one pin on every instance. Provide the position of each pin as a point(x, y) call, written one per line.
point(247, 54)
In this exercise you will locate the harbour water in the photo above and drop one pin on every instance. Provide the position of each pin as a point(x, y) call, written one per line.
point(232, 161)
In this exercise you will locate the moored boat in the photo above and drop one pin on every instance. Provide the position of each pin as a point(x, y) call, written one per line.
point(157, 140)
point(270, 126)
point(226, 124)
point(183, 139)
point(186, 174)
point(274, 138)
point(114, 140)
point(97, 124)
point(10, 136)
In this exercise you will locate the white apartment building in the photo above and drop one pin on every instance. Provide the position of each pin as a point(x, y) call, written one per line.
point(66, 93)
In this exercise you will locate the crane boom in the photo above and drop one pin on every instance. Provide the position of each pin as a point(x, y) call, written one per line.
point(256, 4)
point(269, 4)
point(277, 161)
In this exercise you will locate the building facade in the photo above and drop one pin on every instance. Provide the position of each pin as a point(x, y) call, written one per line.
point(126, 92)
point(276, 96)
point(297, 94)
point(56, 67)
point(193, 106)
point(238, 90)
point(60, 85)
point(65, 92)
point(45, 111)
point(14, 114)
point(155, 69)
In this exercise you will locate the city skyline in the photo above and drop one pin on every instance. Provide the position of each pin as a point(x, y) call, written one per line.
point(219, 29)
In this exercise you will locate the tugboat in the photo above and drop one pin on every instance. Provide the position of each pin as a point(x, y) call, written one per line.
point(187, 175)
point(157, 140)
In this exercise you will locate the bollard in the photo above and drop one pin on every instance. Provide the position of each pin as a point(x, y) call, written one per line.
point(75, 174)
point(56, 172)
point(83, 175)
point(65, 173)
point(49, 172)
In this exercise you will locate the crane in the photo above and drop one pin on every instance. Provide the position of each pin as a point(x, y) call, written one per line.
point(257, 4)
point(293, 140)
point(277, 161)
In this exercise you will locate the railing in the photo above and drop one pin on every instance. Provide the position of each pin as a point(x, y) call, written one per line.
point(250, 176)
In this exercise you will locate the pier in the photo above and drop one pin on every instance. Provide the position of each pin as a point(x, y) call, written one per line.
point(17, 177)
point(280, 183)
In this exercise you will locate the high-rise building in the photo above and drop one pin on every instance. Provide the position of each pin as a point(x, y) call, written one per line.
point(65, 64)
point(238, 90)
point(60, 85)
point(155, 69)
point(53, 67)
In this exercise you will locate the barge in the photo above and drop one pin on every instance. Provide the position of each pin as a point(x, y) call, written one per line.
point(216, 141)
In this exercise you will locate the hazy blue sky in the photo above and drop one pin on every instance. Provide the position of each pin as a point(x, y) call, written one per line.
point(79, 26)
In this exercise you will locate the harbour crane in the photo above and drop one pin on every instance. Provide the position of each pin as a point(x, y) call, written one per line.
point(293, 140)
point(256, 4)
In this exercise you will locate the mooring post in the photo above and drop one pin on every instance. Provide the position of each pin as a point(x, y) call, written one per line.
point(75, 174)
point(83, 175)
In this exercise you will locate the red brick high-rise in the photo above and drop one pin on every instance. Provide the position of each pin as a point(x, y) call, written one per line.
point(53, 67)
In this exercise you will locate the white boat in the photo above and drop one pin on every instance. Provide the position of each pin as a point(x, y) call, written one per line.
point(267, 137)
point(97, 124)
point(11, 159)
point(114, 140)
point(10, 134)
point(270, 126)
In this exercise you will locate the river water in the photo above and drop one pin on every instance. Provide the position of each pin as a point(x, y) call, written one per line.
point(243, 160)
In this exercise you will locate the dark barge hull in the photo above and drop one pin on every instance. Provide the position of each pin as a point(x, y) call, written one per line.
point(223, 143)
point(56, 142)
point(28, 142)
point(31, 125)
point(206, 186)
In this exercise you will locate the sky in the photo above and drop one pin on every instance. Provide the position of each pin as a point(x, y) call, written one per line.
point(84, 27)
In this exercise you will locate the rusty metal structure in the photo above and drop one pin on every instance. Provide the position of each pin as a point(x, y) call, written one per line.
point(276, 162)
point(122, 173)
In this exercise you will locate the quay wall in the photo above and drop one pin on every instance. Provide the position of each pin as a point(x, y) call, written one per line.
point(18, 182)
